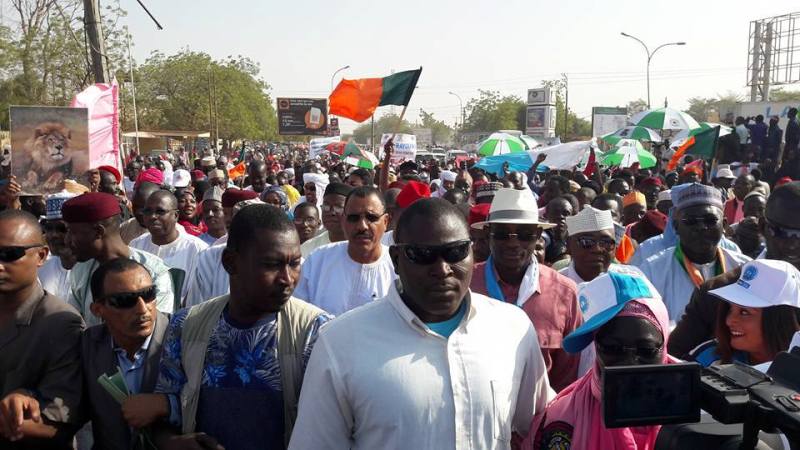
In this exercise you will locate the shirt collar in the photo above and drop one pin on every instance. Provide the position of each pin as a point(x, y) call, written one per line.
point(533, 270)
point(415, 322)
point(142, 350)
point(24, 314)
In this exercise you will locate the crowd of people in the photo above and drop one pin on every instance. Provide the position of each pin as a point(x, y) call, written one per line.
point(309, 304)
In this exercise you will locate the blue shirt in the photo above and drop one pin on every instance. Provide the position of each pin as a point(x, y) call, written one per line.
point(241, 375)
point(132, 371)
point(447, 327)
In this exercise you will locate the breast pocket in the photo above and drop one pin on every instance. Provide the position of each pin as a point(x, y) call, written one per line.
point(501, 403)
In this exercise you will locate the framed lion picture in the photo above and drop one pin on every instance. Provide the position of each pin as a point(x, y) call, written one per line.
point(48, 146)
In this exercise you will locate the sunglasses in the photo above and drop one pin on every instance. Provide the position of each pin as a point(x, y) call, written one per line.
point(640, 352)
point(523, 237)
point(354, 218)
point(125, 300)
point(13, 253)
point(691, 221)
point(451, 253)
point(782, 232)
point(588, 243)
point(337, 210)
point(308, 221)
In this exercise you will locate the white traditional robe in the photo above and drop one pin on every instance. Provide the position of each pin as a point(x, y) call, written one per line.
point(54, 278)
point(178, 254)
point(210, 278)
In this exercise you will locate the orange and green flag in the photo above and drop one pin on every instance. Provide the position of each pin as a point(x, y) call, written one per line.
point(702, 144)
point(358, 99)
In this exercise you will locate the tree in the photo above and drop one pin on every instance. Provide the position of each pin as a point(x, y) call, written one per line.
point(439, 130)
point(388, 123)
point(491, 112)
point(781, 95)
point(702, 109)
point(635, 106)
point(176, 93)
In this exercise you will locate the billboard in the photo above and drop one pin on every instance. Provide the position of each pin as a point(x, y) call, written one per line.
point(540, 120)
point(302, 116)
point(607, 119)
point(48, 145)
point(539, 96)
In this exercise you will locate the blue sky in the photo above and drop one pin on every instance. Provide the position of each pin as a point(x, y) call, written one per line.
point(463, 46)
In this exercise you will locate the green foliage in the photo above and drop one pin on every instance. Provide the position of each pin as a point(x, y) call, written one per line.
point(491, 112)
point(440, 132)
point(385, 124)
point(700, 108)
point(635, 106)
point(782, 95)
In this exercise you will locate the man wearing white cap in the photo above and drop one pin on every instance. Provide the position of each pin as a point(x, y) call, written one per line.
point(447, 181)
point(761, 314)
point(697, 256)
point(54, 273)
point(181, 178)
point(314, 185)
point(664, 202)
point(512, 274)
point(723, 180)
point(591, 245)
point(213, 215)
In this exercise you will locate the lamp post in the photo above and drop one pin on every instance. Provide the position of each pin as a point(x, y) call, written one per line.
point(337, 71)
point(461, 105)
point(650, 57)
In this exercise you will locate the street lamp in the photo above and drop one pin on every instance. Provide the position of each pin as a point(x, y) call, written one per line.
point(337, 71)
point(650, 57)
point(461, 103)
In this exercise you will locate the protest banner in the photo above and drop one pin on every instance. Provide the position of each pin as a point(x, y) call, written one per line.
point(317, 146)
point(405, 146)
point(48, 145)
point(303, 116)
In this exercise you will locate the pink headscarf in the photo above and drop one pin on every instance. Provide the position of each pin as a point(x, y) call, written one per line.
point(576, 412)
point(151, 175)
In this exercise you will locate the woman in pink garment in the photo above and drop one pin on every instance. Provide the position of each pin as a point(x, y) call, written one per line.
point(628, 324)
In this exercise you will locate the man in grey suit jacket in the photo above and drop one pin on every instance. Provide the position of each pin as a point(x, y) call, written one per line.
point(129, 340)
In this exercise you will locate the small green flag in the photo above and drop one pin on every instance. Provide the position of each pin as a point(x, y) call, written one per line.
point(705, 143)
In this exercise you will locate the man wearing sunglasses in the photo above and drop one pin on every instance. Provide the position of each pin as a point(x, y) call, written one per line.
point(54, 274)
point(430, 366)
point(781, 229)
point(94, 237)
point(512, 275)
point(341, 276)
point(129, 341)
point(40, 375)
point(168, 240)
point(232, 366)
point(697, 256)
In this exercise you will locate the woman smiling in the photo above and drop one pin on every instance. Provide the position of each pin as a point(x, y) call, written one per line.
point(758, 316)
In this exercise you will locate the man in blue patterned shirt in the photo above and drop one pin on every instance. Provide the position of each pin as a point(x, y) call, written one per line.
point(232, 367)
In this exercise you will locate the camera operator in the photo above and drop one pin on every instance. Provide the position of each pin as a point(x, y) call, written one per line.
point(629, 325)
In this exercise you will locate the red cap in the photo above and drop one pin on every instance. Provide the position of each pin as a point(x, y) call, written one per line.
point(411, 192)
point(656, 219)
point(113, 171)
point(479, 213)
point(783, 181)
point(90, 208)
point(198, 174)
point(694, 166)
point(151, 175)
point(652, 181)
point(233, 196)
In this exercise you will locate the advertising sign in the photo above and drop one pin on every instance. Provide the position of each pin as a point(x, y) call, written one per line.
point(608, 119)
point(303, 116)
point(48, 145)
point(539, 96)
point(405, 146)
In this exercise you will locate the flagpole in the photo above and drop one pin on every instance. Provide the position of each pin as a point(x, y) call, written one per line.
point(133, 94)
point(399, 121)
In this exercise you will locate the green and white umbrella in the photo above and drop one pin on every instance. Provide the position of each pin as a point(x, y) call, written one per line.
point(530, 143)
point(627, 153)
point(664, 119)
point(500, 144)
point(632, 132)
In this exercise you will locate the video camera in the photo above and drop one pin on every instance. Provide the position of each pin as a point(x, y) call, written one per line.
point(731, 393)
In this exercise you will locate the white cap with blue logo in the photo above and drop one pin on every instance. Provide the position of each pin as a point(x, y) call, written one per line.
point(602, 299)
point(763, 283)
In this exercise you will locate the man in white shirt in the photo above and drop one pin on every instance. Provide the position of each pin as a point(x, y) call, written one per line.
point(341, 276)
point(430, 366)
point(168, 240)
point(54, 274)
point(332, 210)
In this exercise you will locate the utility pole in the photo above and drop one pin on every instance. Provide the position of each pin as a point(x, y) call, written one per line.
point(97, 43)
point(210, 108)
point(566, 105)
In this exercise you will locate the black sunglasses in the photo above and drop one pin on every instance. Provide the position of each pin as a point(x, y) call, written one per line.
point(588, 243)
point(782, 232)
point(691, 221)
point(640, 352)
point(451, 253)
point(13, 253)
point(353, 218)
point(524, 237)
point(125, 300)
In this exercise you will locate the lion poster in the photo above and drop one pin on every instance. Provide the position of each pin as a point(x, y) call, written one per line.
point(48, 145)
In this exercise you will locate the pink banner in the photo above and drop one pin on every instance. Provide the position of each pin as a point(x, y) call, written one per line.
point(102, 101)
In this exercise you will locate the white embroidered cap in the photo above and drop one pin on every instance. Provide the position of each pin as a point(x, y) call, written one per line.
point(589, 219)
